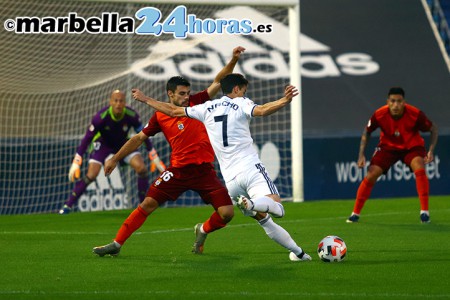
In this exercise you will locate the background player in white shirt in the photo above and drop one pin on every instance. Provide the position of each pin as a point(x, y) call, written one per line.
point(227, 122)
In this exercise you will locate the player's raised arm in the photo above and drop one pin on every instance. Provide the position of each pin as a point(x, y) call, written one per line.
point(164, 107)
point(214, 88)
point(274, 106)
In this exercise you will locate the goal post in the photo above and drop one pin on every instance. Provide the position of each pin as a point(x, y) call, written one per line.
point(296, 106)
point(53, 83)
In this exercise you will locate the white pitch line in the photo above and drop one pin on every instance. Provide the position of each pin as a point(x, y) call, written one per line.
point(190, 229)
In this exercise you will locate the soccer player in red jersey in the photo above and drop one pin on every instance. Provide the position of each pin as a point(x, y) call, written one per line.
point(400, 124)
point(190, 168)
point(245, 176)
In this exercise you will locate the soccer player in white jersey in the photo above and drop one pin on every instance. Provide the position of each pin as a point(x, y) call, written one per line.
point(227, 122)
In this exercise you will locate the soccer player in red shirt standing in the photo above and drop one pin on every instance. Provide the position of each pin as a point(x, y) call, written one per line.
point(190, 168)
point(400, 139)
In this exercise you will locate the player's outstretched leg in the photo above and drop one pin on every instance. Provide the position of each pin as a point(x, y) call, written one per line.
point(301, 257)
point(216, 221)
point(363, 193)
point(65, 210)
point(112, 249)
point(423, 188)
point(129, 226)
point(200, 238)
point(279, 235)
point(79, 189)
point(353, 218)
point(262, 204)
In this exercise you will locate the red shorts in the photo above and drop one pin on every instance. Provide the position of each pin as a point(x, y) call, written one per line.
point(199, 178)
point(385, 158)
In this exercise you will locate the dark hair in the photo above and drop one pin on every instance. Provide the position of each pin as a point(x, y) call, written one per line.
point(396, 90)
point(232, 80)
point(175, 81)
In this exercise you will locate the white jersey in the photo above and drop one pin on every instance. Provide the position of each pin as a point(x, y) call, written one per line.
point(227, 123)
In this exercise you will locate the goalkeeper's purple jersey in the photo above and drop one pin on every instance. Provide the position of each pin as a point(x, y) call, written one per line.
point(110, 131)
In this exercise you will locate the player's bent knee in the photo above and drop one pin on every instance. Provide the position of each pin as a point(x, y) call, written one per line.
point(226, 213)
point(149, 204)
point(228, 217)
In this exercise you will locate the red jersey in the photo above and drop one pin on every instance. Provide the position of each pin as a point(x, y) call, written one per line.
point(187, 137)
point(402, 133)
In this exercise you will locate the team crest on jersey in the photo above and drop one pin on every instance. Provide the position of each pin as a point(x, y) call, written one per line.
point(397, 133)
point(180, 125)
point(125, 128)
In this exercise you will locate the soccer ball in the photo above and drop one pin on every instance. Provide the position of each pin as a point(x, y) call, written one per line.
point(332, 249)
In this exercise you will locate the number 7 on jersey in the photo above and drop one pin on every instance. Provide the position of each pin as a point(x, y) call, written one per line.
point(223, 119)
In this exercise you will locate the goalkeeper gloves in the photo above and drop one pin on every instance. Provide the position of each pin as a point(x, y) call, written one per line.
point(156, 162)
point(74, 172)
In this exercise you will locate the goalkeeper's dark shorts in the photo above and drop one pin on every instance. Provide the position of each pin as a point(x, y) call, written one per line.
point(199, 178)
point(101, 152)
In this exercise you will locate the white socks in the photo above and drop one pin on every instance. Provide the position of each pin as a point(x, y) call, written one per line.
point(279, 235)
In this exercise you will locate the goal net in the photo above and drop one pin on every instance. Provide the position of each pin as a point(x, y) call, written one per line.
point(53, 84)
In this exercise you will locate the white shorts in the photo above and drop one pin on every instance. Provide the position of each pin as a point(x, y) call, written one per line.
point(253, 183)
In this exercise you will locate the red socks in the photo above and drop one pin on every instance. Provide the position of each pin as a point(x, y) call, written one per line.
point(213, 223)
point(364, 190)
point(422, 185)
point(423, 188)
point(138, 217)
point(131, 224)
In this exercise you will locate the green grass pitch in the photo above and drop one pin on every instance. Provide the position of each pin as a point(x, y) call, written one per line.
point(391, 255)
